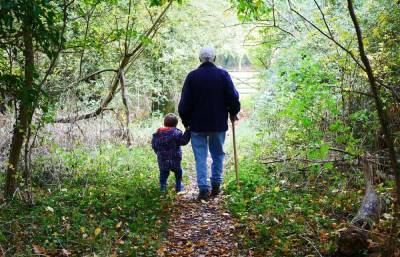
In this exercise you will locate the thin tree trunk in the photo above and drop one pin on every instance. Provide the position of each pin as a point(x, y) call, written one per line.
point(383, 117)
point(22, 120)
point(27, 166)
point(126, 105)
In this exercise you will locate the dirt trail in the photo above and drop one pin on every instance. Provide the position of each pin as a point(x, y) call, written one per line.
point(199, 229)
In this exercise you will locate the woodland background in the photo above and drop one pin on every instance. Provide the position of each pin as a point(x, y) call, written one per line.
point(83, 84)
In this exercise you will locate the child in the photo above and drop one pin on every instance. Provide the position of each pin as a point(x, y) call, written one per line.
point(166, 144)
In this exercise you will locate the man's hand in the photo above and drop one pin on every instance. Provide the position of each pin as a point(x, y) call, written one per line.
point(233, 118)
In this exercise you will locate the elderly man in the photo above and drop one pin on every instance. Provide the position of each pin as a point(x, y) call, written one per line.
point(208, 96)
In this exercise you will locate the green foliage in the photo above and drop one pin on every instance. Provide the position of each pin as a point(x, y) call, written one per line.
point(44, 16)
point(111, 189)
point(252, 10)
point(300, 114)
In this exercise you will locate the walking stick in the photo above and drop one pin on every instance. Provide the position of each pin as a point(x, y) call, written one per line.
point(235, 152)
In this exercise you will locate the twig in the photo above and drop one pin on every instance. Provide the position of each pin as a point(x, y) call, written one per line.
point(89, 76)
point(312, 244)
point(302, 160)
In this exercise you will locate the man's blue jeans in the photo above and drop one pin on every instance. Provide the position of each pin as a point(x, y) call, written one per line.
point(201, 143)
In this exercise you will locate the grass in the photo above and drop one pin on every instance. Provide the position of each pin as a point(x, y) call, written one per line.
point(104, 202)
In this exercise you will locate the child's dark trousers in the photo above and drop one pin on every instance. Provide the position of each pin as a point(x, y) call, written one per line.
point(164, 178)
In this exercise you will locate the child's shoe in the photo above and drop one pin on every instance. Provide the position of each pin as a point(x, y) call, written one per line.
point(179, 188)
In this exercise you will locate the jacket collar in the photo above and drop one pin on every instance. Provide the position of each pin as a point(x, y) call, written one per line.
point(207, 64)
point(164, 129)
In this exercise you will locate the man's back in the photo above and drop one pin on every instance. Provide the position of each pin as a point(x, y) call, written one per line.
point(207, 96)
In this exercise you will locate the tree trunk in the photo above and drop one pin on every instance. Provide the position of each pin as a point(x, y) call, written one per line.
point(354, 239)
point(383, 117)
point(22, 121)
point(372, 205)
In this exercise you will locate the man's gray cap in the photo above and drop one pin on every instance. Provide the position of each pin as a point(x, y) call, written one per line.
point(207, 54)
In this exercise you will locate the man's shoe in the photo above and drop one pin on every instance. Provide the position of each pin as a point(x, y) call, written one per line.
point(203, 195)
point(216, 190)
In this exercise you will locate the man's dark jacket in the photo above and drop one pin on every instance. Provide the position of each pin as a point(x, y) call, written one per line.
point(208, 95)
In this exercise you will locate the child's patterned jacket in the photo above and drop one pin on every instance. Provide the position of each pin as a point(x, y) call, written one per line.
point(166, 143)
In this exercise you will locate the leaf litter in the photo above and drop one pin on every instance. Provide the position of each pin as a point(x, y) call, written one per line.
point(199, 229)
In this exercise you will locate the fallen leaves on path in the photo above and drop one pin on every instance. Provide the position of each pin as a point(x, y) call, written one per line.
point(199, 229)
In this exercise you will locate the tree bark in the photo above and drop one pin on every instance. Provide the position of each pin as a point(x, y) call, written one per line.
point(354, 239)
point(22, 120)
point(27, 174)
point(372, 204)
point(383, 117)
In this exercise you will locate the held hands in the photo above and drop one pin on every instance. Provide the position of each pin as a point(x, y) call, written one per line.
point(233, 118)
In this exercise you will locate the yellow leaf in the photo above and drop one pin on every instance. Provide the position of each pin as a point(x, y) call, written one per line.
point(97, 231)
point(161, 251)
point(119, 224)
point(286, 249)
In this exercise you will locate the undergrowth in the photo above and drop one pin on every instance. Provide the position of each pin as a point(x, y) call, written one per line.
point(284, 210)
point(285, 213)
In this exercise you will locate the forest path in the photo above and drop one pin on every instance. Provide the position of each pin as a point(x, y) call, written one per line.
point(199, 229)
